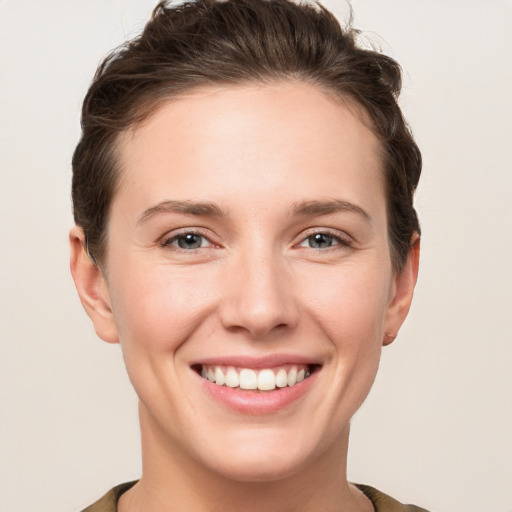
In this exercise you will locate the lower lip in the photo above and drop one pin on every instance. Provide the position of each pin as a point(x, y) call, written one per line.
point(258, 402)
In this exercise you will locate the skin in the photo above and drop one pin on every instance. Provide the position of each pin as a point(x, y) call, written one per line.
point(257, 285)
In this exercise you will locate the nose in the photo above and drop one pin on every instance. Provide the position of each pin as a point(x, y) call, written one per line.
point(259, 298)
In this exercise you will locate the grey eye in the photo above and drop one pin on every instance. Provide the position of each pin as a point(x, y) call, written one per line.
point(189, 241)
point(321, 240)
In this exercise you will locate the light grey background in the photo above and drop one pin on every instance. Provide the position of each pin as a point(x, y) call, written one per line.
point(436, 429)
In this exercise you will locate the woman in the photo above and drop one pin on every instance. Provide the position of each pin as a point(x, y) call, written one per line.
point(245, 230)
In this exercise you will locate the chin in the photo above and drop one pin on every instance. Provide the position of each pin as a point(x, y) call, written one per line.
point(260, 454)
point(258, 468)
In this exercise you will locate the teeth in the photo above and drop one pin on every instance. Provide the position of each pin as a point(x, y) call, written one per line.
point(292, 376)
point(232, 378)
point(281, 378)
point(266, 380)
point(219, 377)
point(246, 378)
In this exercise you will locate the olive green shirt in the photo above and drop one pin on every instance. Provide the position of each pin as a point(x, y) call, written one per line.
point(381, 502)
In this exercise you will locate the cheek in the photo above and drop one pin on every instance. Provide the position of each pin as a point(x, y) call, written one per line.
point(157, 311)
point(351, 305)
point(157, 308)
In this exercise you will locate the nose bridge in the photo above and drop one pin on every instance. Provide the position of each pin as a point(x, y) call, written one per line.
point(260, 297)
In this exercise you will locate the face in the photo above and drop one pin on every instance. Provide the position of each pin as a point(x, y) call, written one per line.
point(247, 248)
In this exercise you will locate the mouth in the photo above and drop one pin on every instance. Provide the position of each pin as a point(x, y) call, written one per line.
point(256, 379)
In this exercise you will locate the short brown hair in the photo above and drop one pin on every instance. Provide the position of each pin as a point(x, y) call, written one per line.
point(233, 42)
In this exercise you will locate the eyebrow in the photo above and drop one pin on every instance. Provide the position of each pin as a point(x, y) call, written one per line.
point(330, 206)
point(207, 209)
point(183, 207)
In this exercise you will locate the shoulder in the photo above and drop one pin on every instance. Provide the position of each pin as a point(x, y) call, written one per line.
point(384, 503)
point(109, 502)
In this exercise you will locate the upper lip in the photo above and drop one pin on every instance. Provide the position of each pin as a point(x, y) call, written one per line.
point(267, 361)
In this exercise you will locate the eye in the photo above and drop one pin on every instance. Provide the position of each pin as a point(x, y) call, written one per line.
point(187, 241)
point(323, 240)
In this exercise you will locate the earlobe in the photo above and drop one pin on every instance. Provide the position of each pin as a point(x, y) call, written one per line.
point(402, 293)
point(91, 287)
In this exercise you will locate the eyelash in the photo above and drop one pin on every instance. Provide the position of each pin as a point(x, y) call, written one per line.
point(167, 242)
point(341, 240)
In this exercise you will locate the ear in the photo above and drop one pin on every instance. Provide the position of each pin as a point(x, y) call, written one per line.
point(91, 287)
point(402, 291)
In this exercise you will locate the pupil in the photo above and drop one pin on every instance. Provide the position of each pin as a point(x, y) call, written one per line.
point(322, 240)
point(189, 241)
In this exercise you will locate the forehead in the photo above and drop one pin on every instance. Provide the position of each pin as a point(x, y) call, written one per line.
point(230, 139)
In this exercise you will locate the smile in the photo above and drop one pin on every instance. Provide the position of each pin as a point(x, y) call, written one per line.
point(262, 379)
point(257, 386)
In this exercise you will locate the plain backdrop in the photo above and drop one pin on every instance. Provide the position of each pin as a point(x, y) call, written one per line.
point(437, 428)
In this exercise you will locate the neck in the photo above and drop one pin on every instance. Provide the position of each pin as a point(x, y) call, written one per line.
point(172, 480)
